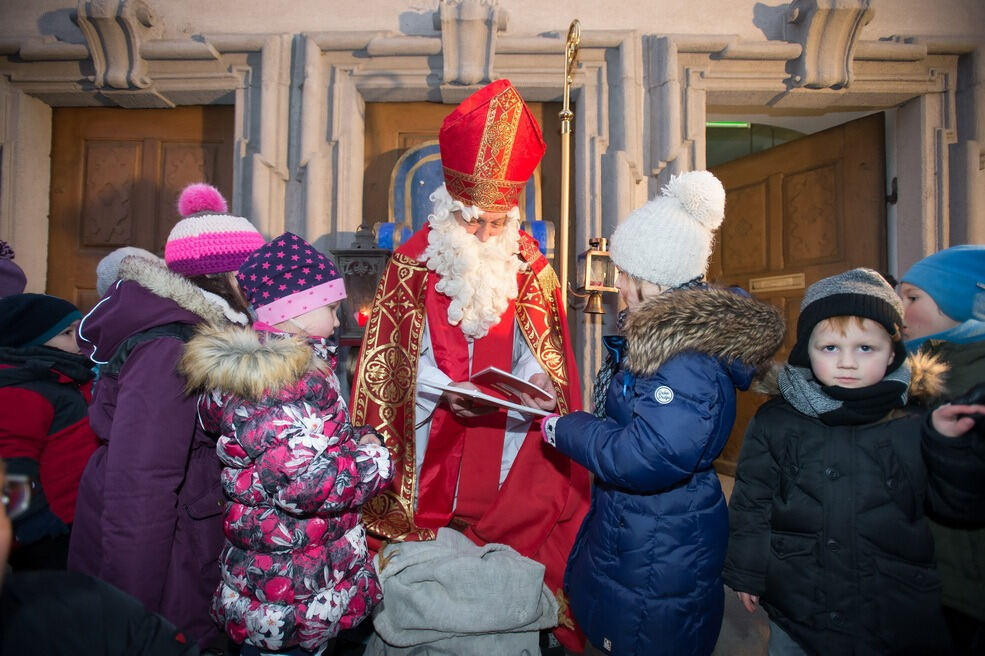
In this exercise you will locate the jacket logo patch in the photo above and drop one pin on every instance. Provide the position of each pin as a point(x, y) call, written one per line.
point(663, 395)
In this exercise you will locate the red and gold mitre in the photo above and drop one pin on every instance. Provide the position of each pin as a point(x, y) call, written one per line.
point(490, 146)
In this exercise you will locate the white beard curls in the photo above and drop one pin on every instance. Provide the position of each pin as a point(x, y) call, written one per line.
point(480, 278)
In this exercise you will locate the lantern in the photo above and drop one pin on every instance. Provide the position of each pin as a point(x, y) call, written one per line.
point(596, 274)
point(361, 267)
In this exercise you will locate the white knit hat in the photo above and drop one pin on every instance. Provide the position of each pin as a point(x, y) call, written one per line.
point(668, 240)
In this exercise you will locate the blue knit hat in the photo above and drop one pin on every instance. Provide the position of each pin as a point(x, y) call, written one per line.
point(955, 279)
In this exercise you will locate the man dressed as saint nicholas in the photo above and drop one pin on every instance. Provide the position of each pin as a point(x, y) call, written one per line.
point(468, 291)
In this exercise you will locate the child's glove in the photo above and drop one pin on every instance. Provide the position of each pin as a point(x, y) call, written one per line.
point(547, 425)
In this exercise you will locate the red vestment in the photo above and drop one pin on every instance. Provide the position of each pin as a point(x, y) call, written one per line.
point(541, 504)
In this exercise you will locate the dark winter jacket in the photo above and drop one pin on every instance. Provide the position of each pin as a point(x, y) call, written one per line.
point(45, 434)
point(56, 613)
point(296, 567)
point(644, 576)
point(149, 514)
point(960, 548)
point(828, 527)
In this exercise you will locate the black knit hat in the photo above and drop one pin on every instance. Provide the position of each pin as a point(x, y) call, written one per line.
point(857, 293)
point(33, 319)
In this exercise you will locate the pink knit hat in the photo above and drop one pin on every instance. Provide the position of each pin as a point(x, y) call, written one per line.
point(288, 277)
point(208, 240)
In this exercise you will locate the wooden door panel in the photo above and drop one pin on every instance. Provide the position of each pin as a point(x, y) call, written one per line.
point(795, 214)
point(116, 175)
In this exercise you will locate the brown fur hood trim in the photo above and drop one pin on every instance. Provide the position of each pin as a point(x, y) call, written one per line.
point(245, 362)
point(714, 321)
point(927, 375)
point(165, 283)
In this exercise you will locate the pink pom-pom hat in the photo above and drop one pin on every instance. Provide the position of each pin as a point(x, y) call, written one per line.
point(209, 239)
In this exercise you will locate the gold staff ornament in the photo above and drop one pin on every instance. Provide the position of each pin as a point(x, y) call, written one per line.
point(570, 60)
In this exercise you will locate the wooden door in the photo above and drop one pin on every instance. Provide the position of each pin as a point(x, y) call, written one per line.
point(115, 179)
point(795, 214)
point(393, 128)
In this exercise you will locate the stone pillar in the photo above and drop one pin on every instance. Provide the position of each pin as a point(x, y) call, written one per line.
point(922, 142)
point(25, 174)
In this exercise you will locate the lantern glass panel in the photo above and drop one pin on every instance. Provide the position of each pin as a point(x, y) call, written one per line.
point(361, 270)
point(600, 272)
point(596, 272)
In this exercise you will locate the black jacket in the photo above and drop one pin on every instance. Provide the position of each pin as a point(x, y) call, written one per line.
point(827, 526)
point(56, 613)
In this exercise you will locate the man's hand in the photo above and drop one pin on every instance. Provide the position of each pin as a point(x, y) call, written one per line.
point(955, 420)
point(542, 381)
point(466, 406)
point(749, 601)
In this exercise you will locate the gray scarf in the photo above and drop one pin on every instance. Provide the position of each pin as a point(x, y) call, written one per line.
point(838, 405)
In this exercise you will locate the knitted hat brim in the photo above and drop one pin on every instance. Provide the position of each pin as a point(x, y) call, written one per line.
point(58, 327)
point(840, 305)
point(301, 302)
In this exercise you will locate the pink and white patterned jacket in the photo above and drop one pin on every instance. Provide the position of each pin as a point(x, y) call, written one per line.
point(296, 568)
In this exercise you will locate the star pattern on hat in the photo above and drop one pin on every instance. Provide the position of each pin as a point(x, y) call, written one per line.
point(285, 266)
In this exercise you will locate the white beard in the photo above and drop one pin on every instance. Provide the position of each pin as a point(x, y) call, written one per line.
point(480, 278)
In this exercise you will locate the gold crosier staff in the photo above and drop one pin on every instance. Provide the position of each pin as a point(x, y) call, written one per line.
point(570, 58)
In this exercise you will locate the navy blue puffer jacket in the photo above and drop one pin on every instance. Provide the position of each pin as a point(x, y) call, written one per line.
point(644, 576)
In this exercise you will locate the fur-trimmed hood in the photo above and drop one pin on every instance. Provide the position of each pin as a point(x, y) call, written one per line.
point(163, 282)
point(246, 362)
point(713, 320)
point(146, 295)
point(927, 376)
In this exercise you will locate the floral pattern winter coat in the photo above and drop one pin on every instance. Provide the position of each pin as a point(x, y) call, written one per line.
point(296, 568)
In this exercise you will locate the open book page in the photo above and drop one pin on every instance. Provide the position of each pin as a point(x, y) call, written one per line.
point(489, 399)
point(508, 385)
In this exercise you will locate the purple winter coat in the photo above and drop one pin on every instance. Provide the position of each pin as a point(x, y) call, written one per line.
point(296, 568)
point(149, 513)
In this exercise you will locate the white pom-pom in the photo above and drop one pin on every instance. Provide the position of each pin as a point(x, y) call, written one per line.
point(701, 195)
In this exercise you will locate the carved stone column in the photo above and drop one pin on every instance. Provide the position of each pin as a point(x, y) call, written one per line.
point(925, 131)
point(468, 39)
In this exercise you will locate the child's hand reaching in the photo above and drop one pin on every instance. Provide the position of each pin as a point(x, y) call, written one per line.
point(956, 420)
point(749, 601)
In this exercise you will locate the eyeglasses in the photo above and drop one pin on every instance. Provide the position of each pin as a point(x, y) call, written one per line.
point(17, 494)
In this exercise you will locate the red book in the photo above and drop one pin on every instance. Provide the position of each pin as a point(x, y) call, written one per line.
point(497, 381)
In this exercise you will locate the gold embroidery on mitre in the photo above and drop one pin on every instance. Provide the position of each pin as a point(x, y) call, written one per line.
point(486, 194)
point(498, 135)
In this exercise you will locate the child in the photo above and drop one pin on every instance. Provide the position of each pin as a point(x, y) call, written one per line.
point(149, 517)
point(45, 387)
point(644, 576)
point(295, 569)
point(944, 315)
point(827, 514)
